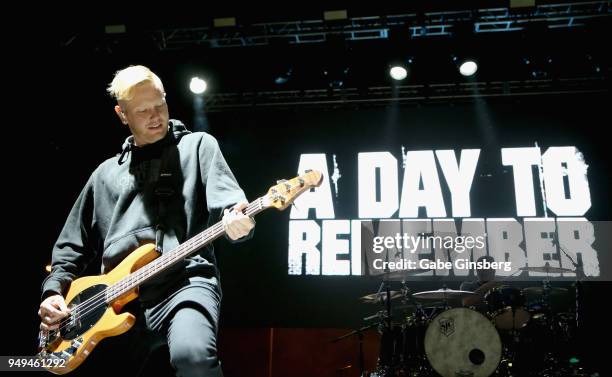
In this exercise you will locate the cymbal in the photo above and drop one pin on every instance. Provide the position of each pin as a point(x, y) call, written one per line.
point(401, 274)
point(538, 291)
point(375, 298)
point(442, 294)
point(546, 269)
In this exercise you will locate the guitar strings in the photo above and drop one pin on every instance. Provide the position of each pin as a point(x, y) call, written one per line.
point(98, 300)
point(88, 307)
point(139, 273)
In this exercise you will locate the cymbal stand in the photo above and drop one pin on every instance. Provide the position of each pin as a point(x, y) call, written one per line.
point(580, 275)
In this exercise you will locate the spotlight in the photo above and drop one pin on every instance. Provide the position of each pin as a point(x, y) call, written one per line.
point(197, 85)
point(398, 72)
point(468, 68)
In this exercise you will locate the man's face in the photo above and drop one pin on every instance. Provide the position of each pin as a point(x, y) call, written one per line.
point(146, 114)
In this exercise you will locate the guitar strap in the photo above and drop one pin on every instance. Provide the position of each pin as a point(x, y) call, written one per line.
point(163, 191)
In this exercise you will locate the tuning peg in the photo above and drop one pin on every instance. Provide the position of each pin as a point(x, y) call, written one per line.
point(277, 197)
point(281, 181)
point(301, 180)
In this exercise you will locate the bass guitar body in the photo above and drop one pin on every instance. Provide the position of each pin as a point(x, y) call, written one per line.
point(65, 349)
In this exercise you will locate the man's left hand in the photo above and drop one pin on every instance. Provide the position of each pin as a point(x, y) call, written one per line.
point(236, 223)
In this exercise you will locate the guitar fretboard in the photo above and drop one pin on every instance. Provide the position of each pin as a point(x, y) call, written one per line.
point(164, 262)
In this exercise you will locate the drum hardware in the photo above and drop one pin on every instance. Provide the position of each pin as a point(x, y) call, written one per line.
point(580, 276)
point(507, 308)
point(401, 275)
point(547, 269)
point(359, 333)
point(550, 291)
point(443, 294)
point(412, 341)
point(409, 349)
point(379, 315)
point(375, 298)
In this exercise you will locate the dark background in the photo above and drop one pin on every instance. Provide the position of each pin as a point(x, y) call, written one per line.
point(65, 126)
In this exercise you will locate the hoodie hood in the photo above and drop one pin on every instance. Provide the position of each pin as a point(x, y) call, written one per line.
point(176, 130)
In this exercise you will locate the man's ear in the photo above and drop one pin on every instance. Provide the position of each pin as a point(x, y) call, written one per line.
point(120, 114)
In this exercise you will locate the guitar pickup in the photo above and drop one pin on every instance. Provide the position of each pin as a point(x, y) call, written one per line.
point(73, 320)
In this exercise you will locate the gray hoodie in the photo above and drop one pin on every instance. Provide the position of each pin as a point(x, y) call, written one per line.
point(117, 211)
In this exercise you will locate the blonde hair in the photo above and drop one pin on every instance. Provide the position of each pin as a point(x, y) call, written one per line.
point(125, 80)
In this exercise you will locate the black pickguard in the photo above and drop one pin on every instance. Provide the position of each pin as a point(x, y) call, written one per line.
point(86, 317)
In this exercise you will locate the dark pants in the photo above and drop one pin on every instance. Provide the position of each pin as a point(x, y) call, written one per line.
point(190, 332)
point(192, 342)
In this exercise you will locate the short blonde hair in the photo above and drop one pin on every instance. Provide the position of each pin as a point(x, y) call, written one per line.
point(125, 80)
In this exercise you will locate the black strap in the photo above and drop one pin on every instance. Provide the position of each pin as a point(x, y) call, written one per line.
point(163, 191)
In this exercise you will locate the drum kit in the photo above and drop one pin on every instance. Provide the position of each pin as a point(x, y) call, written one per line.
point(501, 331)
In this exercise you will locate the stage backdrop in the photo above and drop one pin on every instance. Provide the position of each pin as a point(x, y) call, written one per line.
point(528, 175)
point(436, 169)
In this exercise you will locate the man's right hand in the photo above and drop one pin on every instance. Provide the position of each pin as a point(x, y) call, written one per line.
point(51, 311)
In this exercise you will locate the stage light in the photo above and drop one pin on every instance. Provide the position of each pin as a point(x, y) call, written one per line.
point(466, 65)
point(224, 22)
point(398, 72)
point(283, 78)
point(468, 68)
point(48, 268)
point(115, 29)
point(336, 76)
point(197, 85)
point(335, 15)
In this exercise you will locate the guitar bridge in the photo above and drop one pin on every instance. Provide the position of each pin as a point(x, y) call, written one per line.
point(61, 355)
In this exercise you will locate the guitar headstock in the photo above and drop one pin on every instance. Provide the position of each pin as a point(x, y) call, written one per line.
point(281, 195)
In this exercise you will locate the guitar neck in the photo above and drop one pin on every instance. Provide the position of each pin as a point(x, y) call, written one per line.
point(167, 260)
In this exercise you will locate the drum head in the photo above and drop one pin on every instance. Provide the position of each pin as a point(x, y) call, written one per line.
point(462, 342)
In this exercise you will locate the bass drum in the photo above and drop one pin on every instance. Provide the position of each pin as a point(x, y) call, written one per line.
point(462, 342)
